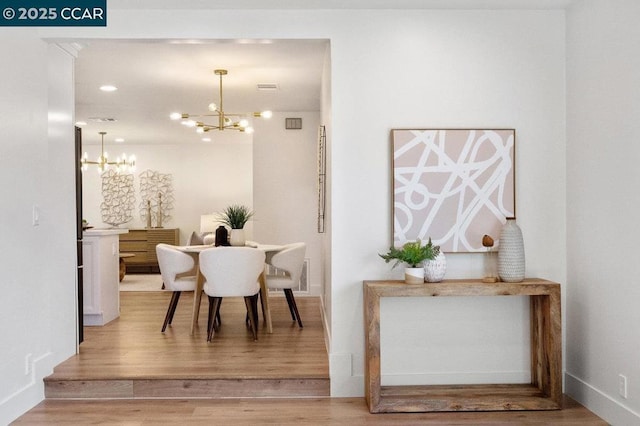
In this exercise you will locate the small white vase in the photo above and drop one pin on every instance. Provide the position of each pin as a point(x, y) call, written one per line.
point(414, 275)
point(434, 269)
point(237, 237)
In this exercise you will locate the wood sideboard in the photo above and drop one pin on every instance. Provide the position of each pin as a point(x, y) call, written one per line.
point(543, 393)
point(142, 244)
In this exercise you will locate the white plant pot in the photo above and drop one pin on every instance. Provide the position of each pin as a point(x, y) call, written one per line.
point(435, 269)
point(414, 275)
point(237, 237)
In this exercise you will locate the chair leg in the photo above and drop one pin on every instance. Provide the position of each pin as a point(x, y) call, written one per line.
point(214, 311)
point(264, 314)
point(252, 310)
point(177, 295)
point(292, 305)
point(171, 309)
point(218, 321)
point(209, 315)
point(289, 304)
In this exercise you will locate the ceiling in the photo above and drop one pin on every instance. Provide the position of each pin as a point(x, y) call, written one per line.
point(157, 77)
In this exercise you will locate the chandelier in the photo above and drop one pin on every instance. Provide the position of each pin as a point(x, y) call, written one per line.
point(222, 120)
point(122, 164)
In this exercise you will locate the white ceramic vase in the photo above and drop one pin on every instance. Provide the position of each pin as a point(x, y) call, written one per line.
point(414, 275)
point(237, 237)
point(434, 269)
point(511, 263)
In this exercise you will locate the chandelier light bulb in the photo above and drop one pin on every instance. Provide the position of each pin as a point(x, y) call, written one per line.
point(175, 116)
point(266, 114)
point(243, 123)
point(248, 130)
point(213, 107)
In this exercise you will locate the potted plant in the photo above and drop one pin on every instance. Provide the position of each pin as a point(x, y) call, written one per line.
point(413, 254)
point(236, 216)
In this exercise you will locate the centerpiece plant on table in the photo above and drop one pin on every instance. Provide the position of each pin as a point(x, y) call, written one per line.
point(236, 217)
point(413, 254)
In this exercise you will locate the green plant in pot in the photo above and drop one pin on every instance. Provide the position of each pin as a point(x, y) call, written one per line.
point(412, 254)
point(236, 216)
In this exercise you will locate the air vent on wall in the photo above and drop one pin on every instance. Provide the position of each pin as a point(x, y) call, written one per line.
point(293, 123)
point(267, 86)
point(102, 119)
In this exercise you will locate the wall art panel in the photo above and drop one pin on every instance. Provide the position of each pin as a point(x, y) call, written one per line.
point(453, 185)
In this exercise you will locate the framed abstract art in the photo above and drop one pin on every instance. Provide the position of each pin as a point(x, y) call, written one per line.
point(453, 185)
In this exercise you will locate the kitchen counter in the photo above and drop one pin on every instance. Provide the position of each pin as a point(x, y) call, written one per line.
point(101, 292)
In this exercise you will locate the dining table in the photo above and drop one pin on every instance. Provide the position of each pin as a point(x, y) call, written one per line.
point(268, 249)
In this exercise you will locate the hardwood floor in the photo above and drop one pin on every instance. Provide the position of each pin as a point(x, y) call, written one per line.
point(128, 372)
point(130, 357)
point(308, 411)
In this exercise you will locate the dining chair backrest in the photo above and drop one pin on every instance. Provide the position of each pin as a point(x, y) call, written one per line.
point(231, 271)
point(291, 260)
point(172, 264)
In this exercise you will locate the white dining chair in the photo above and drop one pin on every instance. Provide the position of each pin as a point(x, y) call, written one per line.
point(232, 272)
point(289, 261)
point(178, 274)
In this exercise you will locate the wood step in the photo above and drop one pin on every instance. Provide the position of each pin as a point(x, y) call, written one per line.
point(186, 388)
point(130, 358)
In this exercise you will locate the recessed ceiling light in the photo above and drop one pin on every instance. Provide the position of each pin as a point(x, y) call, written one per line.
point(206, 139)
point(119, 139)
point(108, 88)
point(81, 123)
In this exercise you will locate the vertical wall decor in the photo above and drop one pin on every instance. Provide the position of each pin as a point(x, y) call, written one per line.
point(156, 193)
point(118, 198)
point(322, 176)
point(453, 185)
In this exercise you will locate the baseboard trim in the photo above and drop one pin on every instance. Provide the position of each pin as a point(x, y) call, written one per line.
point(606, 407)
point(457, 378)
point(31, 393)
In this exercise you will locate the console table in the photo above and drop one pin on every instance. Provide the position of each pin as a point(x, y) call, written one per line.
point(142, 244)
point(543, 393)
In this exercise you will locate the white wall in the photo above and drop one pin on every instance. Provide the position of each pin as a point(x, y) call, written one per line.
point(284, 186)
point(403, 69)
point(206, 178)
point(442, 69)
point(38, 280)
point(326, 120)
point(603, 296)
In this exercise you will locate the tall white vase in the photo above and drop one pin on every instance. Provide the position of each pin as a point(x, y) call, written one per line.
point(237, 237)
point(511, 263)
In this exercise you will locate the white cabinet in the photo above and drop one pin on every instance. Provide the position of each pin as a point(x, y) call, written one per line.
point(101, 293)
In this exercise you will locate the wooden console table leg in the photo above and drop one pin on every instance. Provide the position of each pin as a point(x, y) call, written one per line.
point(546, 341)
point(372, 349)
